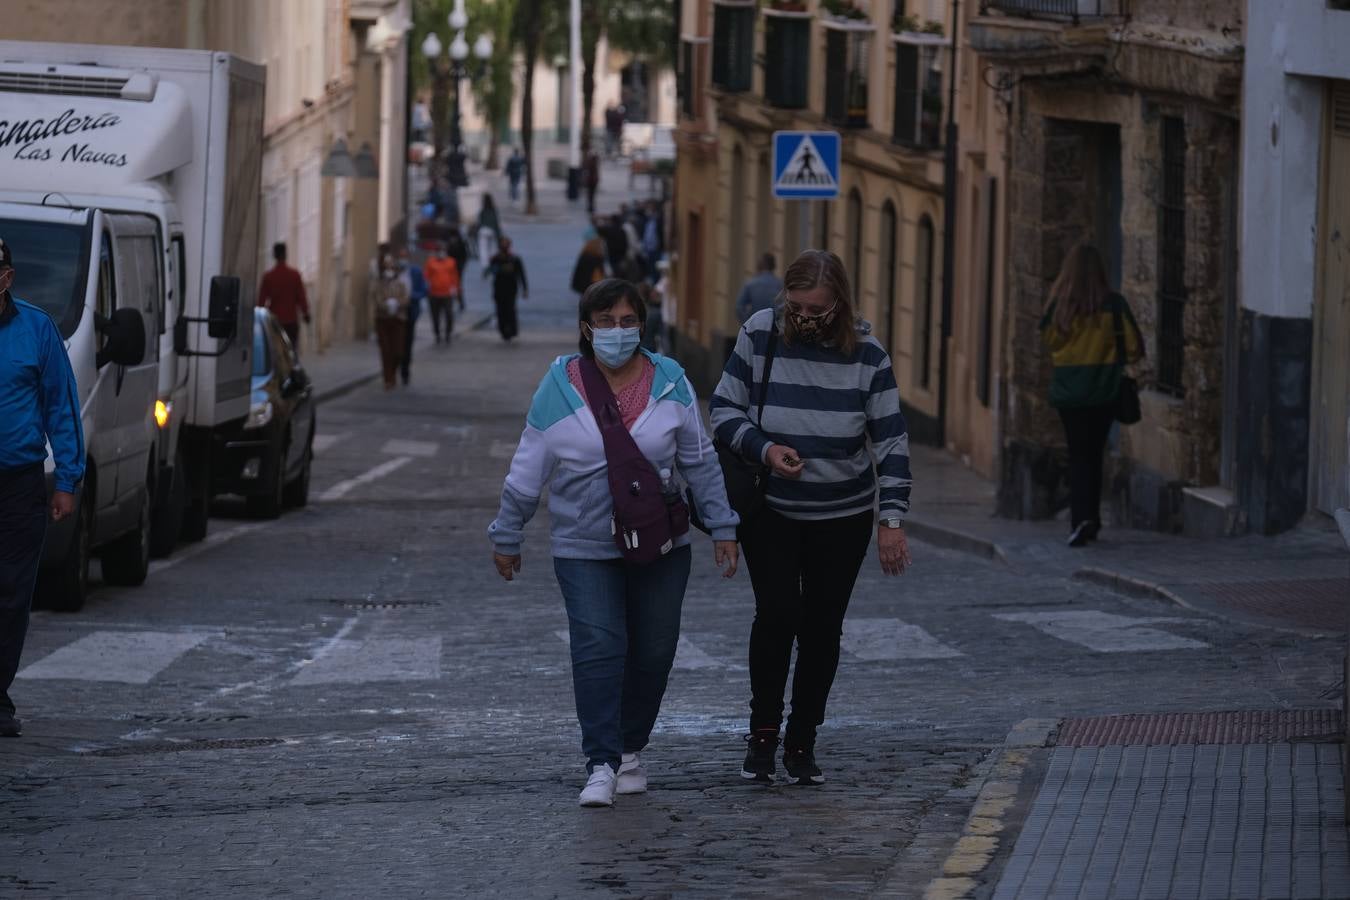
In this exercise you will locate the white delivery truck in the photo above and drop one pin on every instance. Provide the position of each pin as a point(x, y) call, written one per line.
point(129, 194)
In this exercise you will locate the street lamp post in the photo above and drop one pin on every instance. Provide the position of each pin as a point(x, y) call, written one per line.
point(459, 55)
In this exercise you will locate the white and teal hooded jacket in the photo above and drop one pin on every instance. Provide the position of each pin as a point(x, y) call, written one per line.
point(561, 447)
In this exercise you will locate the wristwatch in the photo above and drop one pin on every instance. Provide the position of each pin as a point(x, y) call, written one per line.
point(893, 522)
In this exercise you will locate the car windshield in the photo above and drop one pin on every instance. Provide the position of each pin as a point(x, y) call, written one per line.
point(49, 267)
point(262, 355)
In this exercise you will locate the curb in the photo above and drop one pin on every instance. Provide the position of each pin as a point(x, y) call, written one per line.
point(987, 831)
point(346, 386)
point(955, 539)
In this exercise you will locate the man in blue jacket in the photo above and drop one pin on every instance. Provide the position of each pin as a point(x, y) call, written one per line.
point(38, 404)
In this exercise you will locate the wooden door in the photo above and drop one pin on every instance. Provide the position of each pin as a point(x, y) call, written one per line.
point(1330, 445)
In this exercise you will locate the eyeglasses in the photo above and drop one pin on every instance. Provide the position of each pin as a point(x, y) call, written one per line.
point(610, 322)
point(796, 308)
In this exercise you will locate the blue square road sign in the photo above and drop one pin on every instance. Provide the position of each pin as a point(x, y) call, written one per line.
point(806, 165)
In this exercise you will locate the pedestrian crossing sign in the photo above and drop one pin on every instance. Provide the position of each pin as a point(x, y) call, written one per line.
point(806, 165)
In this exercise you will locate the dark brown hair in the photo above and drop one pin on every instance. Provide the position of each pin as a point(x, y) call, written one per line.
point(1081, 288)
point(603, 296)
point(821, 268)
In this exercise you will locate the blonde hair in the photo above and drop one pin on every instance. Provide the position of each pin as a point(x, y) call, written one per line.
point(1081, 288)
point(821, 268)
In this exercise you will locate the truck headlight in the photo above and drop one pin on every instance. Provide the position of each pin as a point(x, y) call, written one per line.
point(259, 415)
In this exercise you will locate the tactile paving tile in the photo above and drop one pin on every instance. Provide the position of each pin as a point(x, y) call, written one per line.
point(1318, 603)
point(1237, 727)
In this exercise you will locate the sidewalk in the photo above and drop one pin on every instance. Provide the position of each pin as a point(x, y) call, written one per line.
point(1298, 581)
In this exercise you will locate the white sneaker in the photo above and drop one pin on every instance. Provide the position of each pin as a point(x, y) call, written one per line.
point(632, 777)
point(599, 789)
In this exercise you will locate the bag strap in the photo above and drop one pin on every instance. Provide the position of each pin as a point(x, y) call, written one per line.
point(600, 398)
point(769, 353)
point(1120, 331)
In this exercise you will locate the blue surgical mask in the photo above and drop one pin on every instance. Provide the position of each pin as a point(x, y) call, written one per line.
point(615, 346)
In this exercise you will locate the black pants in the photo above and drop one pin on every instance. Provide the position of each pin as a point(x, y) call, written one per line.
point(292, 330)
point(405, 367)
point(442, 310)
point(1086, 429)
point(23, 526)
point(803, 575)
point(506, 315)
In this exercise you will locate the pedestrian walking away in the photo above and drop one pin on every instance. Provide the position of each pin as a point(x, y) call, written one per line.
point(488, 230)
point(417, 294)
point(442, 276)
point(832, 434)
point(590, 172)
point(389, 298)
point(1083, 317)
point(623, 616)
point(458, 250)
point(590, 266)
point(508, 278)
point(760, 291)
point(39, 404)
point(515, 170)
point(283, 292)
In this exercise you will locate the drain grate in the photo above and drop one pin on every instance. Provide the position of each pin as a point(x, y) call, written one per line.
point(380, 604)
point(185, 746)
point(185, 720)
point(1251, 727)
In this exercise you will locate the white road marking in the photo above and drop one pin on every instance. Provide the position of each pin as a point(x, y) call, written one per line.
point(129, 657)
point(319, 653)
point(342, 488)
point(401, 447)
point(502, 450)
point(324, 442)
point(213, 539)
point(892, 639)
point(1105, 632)
point(375, 659)
point(462, 433)
point(687, 655)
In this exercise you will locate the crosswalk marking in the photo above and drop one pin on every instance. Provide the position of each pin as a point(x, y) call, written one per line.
point(129, 657)
point(687, 655)
point(1105, 632)
point(342, 488)
point(324, 442)
point(375, 659)
point(877, 639)
point(403, 447)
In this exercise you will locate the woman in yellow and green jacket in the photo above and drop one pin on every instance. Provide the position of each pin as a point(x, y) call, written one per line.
point(1079, 329)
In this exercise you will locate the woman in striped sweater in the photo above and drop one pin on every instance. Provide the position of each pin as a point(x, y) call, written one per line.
point(832, 433)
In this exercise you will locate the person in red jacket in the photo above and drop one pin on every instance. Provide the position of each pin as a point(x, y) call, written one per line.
point(283, 292)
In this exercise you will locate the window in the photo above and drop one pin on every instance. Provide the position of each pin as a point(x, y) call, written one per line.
point(855, 216)
point(886, 276)
point(787, 59)
point(693, 76)
point(923, 300)
point(733, 46)
point(846, 77)
point(1172, 258)
point(918, 95)
point(107, 279)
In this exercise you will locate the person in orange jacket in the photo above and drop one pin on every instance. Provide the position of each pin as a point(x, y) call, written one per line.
point(442, 274)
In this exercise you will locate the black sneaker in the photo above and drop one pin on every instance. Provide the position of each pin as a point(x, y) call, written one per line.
point(800, 763)
point(1081, 534)
point(10, 726)
point(759, 754)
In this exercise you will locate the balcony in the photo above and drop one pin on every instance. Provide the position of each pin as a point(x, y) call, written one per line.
point(787, 58)
point(733, 45)
point(1070, 10)
point(847, 46)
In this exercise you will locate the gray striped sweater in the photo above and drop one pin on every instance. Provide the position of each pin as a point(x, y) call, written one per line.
point(840, 414)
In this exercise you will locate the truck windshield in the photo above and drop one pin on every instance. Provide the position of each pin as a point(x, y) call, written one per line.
point(50, 262)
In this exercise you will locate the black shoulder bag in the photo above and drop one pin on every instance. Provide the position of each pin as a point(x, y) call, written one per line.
point(746, 480)
point(1127, 398)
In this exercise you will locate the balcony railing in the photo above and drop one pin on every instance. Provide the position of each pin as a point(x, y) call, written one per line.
point(1059, 9)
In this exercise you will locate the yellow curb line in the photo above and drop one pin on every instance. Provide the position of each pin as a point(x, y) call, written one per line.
point(980, 839)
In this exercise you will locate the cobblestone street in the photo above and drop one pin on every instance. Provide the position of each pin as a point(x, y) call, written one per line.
point(349, 702)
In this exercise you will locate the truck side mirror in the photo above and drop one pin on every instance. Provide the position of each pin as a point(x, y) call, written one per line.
point(223, 317)
point(124, 335)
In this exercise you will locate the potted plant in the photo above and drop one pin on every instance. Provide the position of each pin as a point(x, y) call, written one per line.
point(843, 9)
point(933, 28)
point(903, 22)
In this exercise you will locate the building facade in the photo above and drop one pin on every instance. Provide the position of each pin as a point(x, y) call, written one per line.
point(336, 69)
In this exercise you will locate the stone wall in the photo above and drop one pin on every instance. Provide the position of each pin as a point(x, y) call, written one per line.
point(1206, 15)
point(145, 23)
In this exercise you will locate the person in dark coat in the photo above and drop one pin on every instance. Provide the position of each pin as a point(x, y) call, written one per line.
point(508, 278)
point(590, 266)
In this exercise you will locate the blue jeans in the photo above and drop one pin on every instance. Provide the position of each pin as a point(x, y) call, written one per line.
point(624, 623)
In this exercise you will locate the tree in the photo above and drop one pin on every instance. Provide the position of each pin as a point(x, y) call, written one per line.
point(639, 27)
point(538, 27)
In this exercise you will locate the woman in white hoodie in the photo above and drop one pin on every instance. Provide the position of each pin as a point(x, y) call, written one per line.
point(624, 617)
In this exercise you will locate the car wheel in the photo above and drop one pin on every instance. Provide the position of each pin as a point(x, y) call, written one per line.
point(297, 492)
point(269, 504)
point(167, 521)
point(65, 589)
point(126, 560)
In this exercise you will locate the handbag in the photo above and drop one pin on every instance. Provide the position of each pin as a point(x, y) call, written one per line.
point(646, 519)
point(746, 480)
point(1127, 409)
